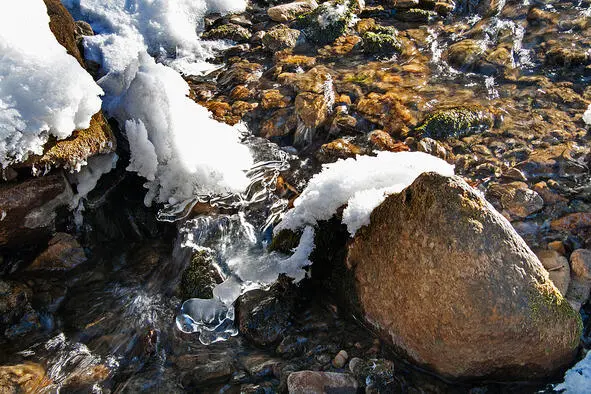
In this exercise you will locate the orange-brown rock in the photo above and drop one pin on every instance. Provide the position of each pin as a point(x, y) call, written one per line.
point(282, 122)
point(383, 141)
point(72, 152)
point(311, 109)
point(337, 149)
point(313, 80)
point(341, 46)
point(23, 378)
point(63, 253)
point(63, 27)
point(572, 221)
point(240, 92)
point(447, 280)
point(273, 98)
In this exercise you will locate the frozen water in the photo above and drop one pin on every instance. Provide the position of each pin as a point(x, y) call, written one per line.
point(577, 380)
point(210, 318)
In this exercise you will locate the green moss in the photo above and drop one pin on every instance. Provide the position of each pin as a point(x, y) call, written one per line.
point(228, 31)
point(200, 277)
point(362, 77)
point(384, 44)
point(285, 241)
point(547, 305)
point(324, 33)
point(455, 122)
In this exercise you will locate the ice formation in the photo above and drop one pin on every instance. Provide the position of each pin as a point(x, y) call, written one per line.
point(577, 380)
point(587, 116)
point(174, 142)
point(36, 101)
point(362, 183)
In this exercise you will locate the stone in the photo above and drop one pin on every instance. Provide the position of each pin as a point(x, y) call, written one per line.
point(273, 98)
point(28, 209)
point(455, 122)
point(200, 277)
point(516, 198)
point(498, 314)
point(305, 382)
point(416, 15)
point(280, 38)
point(282, 122)
point(464, 55)
point(263, 316)
point(323, 25)
point(337, 149)
point(557, 267)
point(383, 141)
point(432, 147)
point(290, 11)
point(63, 254)
point(340, 359)
point(63, 27)
point(377, 375)
point(572, 221)
point(311, 109)
point(228, 31)
point(23, 378)
point(580, 261)
point(17, 316)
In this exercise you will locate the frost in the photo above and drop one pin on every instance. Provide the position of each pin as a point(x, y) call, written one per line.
point(88, 176)
point(43, 90)
point(362, 183)
point(143, 155)
point(577, 380)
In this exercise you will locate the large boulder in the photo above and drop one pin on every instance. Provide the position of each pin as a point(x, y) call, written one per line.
point(446, 280)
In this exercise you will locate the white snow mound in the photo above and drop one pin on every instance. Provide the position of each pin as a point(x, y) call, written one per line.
point(577, 380)
point(43, 90)
point(362, 183)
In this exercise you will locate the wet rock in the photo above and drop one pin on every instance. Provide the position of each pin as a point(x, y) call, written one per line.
point(514, 199)
point(228, 31)
point(402, 4)
point(17, 316)
point(432, 147)
point(388, 111)
point(209, 372)
point(327, 22)
point(240, 73)
point(292, 346)
point(290, 11)
point(314, 80)
point(567, 57)
point(282, 122)
point(63, 253)
point(383, 141)
point(382, 41)
point(416, 15)
point(264, 316)
point(280, 38)
point(303, 382)
point(291, 62)
point(273, 98)
point(240, 92)
point(29, 209)
point(580, 286)
point(311, 109)
point(200, 277)
point(494, 286)
point(557, 267)
point(455, 122)
point(572, 222)
point(23, 378)
point(337, 149)
point(377, 375)
point(464, 54)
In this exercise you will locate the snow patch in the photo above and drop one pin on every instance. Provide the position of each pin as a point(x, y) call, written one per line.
point(43, 90)
point(577, 380)
point(363, 183)
point(587, 116)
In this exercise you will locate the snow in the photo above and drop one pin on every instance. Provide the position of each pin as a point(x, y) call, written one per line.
point(587, 116)
point(577, 380)
point(170, 29)
point(363, 183)
point(89, 175)
point(36, 100)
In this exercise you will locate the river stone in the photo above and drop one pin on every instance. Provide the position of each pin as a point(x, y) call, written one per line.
point(447, 280)
point(557, 267)
point(62, 254)
point(290, 11)
point(304, 382)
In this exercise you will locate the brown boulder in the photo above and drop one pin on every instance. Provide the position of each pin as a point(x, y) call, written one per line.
point(27, 209)
point(447, 280)
point(63, 27)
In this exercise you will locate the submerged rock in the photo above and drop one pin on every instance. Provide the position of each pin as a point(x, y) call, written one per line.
point(465, 54)
point(439, 249)
point(63, 254)
point(327, 22)
point(455, 122)
point(282, 37)
point(382, 41)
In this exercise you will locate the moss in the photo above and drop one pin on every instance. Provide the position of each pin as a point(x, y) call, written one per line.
point(323, 34)
point(548, 305)
point(455, 122)
point(381, 43)
point(285, 241)
point(200, 277)
point(228, 31)
point(362, 78)
point(416, 15)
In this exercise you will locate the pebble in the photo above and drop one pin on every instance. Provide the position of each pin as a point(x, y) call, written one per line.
point(340, 359)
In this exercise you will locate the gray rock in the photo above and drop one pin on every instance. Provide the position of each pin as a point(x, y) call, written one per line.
point(306, 382)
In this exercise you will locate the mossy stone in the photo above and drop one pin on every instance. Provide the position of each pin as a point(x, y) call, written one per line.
point(200, 277)
point(455, 122)
point(285, 241)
